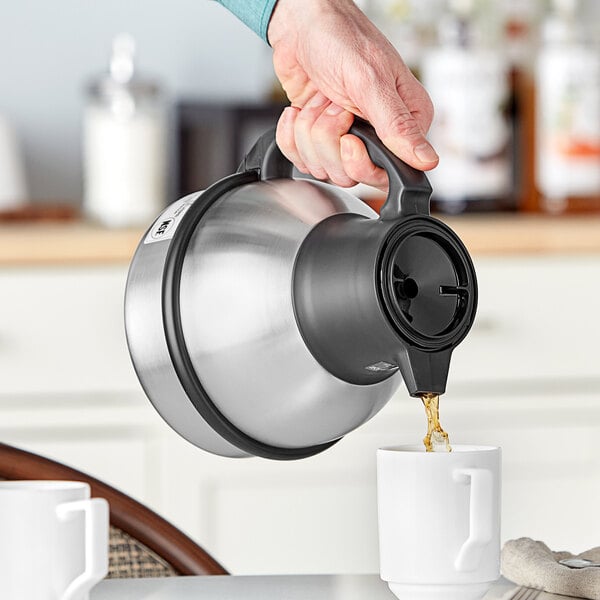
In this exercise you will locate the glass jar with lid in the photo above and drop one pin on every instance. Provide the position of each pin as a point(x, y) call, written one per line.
point(125, 143)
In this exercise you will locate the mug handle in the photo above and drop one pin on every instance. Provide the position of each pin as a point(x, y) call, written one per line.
point(481, 526)
point(96, 544)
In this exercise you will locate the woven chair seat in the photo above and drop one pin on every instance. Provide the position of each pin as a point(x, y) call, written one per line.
point(129, 558)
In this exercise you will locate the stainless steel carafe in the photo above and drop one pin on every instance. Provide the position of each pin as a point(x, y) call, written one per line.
point(270, 316)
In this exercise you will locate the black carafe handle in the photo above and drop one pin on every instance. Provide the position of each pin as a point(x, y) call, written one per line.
point(409, 188)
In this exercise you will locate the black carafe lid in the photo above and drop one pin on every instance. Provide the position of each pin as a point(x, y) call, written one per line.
point(372, 296)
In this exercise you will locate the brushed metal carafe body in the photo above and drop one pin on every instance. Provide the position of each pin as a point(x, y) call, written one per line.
point(241, 331)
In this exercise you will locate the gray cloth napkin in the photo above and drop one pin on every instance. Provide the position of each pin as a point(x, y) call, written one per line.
point(533, 564)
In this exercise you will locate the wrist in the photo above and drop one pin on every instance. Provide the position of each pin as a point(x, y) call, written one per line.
point(291, 18)
point(283, 24)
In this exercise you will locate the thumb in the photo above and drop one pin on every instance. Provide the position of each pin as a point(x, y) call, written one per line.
point(400, 131)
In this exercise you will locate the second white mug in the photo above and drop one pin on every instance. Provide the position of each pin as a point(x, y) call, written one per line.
point(53, 540)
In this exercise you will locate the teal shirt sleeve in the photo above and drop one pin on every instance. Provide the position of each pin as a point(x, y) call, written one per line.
point(254, 13)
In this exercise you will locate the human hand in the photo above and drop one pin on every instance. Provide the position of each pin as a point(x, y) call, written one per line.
point(333, 63)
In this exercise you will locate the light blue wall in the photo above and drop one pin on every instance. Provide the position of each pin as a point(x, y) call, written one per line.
point(50, 48)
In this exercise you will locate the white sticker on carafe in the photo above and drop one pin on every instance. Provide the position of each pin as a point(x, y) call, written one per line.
point(164, 227)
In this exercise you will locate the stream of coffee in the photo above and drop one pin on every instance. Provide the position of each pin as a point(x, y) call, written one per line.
point(436, 439)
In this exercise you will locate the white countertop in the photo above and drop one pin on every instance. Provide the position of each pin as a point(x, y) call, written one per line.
point(279, 587)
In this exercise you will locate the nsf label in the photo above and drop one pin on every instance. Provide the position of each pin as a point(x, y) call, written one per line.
point(160, 232)
point(164, 227)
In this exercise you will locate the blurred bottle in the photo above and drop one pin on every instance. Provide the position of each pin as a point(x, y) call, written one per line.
point(568, 111)
point(467, 75)
point(125, 143)
point(411, 27)
point(522, 20)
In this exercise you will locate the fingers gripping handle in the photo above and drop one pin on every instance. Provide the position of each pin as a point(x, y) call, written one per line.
point(481, 516)
point(96, 544)
point(409, 188)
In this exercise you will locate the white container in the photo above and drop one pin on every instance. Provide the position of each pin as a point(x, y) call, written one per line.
point(13, 187)
point(469, 89)
point(125, 145)
point(467, 76)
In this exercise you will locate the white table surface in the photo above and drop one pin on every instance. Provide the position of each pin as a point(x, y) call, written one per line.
point(276, 587)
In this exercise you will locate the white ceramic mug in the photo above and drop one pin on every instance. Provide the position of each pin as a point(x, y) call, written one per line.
point(53, 540)
point(439, 521)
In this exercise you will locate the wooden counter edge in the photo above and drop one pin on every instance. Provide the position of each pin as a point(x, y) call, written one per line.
point(65, 244)
point(528, 234)
point(489, 235)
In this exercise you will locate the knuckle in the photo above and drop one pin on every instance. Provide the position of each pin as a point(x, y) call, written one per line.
point(404, 125)
point(361, 171)
point(369, 174)
point(427, 110)
point(318, 172)
point(284, 142)
point(428, 105)
point(342, 180)
point(328, 129)
point(284, 136)
point(310, 114)
point(324, 129)
point(305, 115)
